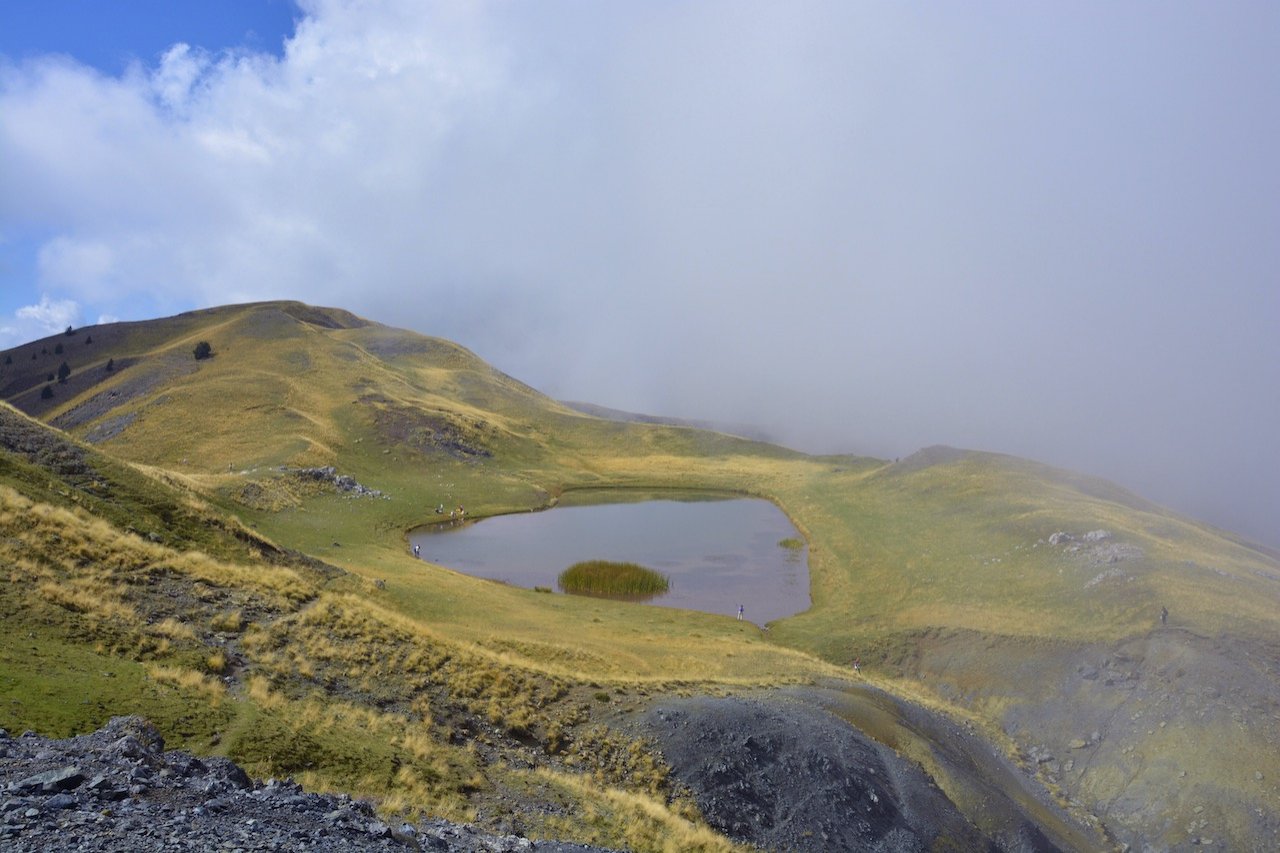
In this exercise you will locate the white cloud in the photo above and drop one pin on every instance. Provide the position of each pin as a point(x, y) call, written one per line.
point(871, 226)
point(44, 318)
point(50, 315)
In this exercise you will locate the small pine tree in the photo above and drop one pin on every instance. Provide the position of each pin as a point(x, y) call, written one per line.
point(47, 393)
point(203, 350)
point(88, 340)
point(8, 359)
point(57, 350)
point(111, 364)
point(50, 378)
point(64, 370)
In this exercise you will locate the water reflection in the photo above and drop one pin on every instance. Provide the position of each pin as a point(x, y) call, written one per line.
point(721, 555)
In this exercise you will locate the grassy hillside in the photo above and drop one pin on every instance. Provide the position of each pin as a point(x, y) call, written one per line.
point(1024, 599)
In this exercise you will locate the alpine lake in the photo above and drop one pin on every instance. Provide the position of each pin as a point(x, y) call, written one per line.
point(720, 552)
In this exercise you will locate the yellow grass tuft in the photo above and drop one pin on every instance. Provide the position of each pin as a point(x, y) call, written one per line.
point(87, 598)
point(613, 817)
point(173, 629)
point(188, 680)
point(230, 622)
point(216, 662)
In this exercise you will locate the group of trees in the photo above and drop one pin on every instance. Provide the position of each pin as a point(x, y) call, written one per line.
point(202, 351)
point(64, 371)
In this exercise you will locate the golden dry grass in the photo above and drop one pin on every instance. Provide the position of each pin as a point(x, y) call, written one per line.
point(629, 820)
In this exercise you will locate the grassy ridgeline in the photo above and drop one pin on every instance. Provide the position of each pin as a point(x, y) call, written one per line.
point(602, 577)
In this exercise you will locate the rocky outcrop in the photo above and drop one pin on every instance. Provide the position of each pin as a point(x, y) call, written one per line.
point(786, 775)
point(342, 482)
point(117, 789)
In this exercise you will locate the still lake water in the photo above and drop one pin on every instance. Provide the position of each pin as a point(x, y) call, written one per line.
point(718, 553)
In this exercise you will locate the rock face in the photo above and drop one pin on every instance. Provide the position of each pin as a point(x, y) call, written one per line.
point(788, 776)
point(118, 790)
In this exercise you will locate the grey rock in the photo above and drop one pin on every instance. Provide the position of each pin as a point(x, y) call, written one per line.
point(62, 779)
point(60, 801)
point(187, 803)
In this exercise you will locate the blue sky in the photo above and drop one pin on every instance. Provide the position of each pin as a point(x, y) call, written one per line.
point(1040, 229)
point(109, 36)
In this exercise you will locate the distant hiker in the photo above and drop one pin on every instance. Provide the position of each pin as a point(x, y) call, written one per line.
point(1164, 615)
point(741, 608)
point(439, 509)
point(857, 664)
point(417, 550)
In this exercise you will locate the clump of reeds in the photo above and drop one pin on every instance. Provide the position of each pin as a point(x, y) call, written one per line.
point(791, 543)
point(603, 577)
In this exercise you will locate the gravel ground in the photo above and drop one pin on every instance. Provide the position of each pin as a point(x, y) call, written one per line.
point(788, 776)
point(784, 770)
point(117, 790)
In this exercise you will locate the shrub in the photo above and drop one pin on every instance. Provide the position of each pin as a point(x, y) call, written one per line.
point(47, 393)
point(111, 364)
point(8, 359)
point(64, 370)
point(57, 350)
point(203, 350)
point(88, 339)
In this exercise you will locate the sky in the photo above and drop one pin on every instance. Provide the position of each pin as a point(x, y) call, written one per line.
point(1048, 230)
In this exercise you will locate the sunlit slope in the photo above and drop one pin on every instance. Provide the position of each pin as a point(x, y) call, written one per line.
point(277, 390)
point(998, 545)
point(940, 540)
point(47, 467)
point(290, 384)
point(125, 592)
point(1128, 652)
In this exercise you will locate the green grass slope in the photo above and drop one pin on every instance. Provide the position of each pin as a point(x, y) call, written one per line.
point(1024, 599)
point(234, 646)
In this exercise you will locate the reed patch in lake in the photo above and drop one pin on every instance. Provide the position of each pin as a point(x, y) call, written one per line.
point(613, 579)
